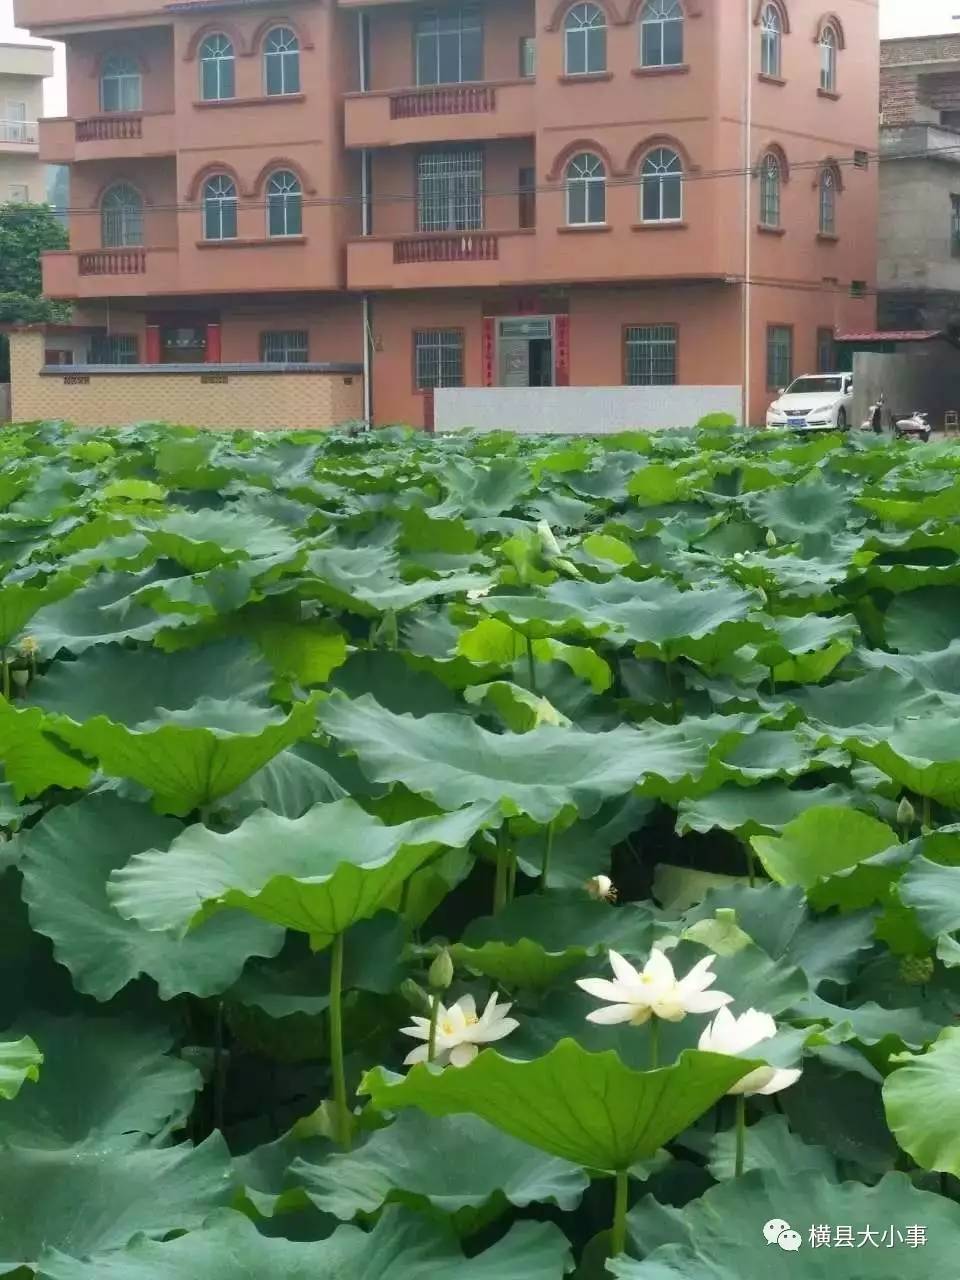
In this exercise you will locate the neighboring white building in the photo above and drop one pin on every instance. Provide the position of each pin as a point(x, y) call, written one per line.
point(23, 69)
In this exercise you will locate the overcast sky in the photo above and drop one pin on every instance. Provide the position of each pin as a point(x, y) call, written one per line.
point(897, 18)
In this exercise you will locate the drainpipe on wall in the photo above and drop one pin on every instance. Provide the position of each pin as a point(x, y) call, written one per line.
point(365, 229)
point(747, 193)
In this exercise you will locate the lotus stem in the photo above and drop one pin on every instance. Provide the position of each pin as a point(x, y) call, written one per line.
point(741, 1133)
point(531, 666)
point(547, 852)
point(500, 879)
point(751, 865)
point(654, 1042)
point(6, 673)
point(926, 819)
point(219, 1070)
point(618, 1238)
point(434, 1013)
point(336, 1042)
point(511, 874)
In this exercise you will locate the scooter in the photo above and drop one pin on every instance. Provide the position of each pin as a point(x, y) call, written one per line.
point(916, 427)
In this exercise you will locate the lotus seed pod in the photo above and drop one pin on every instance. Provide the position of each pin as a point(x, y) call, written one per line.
point(441, 971)
point(916, 971)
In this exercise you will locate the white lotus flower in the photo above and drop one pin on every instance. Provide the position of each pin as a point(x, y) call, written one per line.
point(460, 1031)
point(601, 888)
point(478, 593)
point(734, 1036)
point(636, 996)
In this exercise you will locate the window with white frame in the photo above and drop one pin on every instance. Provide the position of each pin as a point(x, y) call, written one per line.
point(828, 201)
point(828, 59)
point(281, 62)
point(528, 57)
point(121, 217)
point(661, 34)
point(217, 69)
point(771, 179)
point(13, 126)
point(771, 41)
point(661, 186)
point(584, 40)
point(585, 179)
point(19, 193)
point(284, 204)
point(448, 45)
point(650, 355)
point(438, 358)
point(219, 208)
point(121, 84)
point(450, 190)
point(284, 346)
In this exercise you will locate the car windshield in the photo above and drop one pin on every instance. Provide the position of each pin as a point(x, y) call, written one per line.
point(814, 386)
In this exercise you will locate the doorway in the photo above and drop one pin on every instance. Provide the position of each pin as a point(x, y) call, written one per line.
point(525, 352)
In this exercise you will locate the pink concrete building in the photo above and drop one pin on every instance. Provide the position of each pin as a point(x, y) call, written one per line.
point(492, 193)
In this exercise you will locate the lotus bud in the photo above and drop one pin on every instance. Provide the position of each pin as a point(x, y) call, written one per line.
point(916, 971)
point(602, 888)
point(906, 814)
point(548, 543)
point(415, 996)
point(28, 647)
point(440, 974)
point(20, 678)
point(771, 539)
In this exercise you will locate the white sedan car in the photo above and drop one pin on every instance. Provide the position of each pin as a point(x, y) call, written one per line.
point(815, 402)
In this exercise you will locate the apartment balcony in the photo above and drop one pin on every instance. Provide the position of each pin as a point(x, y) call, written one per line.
point(18, 137)
point(110, 273)
point(453, 259)
point(439, 113)
point(112, 136)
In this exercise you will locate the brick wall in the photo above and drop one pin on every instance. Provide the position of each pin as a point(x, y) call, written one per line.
point(268, 401)
point(919, 78)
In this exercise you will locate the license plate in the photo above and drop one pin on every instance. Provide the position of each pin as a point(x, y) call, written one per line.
point(796, 422)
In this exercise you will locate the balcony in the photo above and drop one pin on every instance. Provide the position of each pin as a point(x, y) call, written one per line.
point(439, 113)
point(485, 258)
point(478, 246)
point(58, 13)
point(113, 262)
point(113, 136)
point(18, 137)
point(110, 273)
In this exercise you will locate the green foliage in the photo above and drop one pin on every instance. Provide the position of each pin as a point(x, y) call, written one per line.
point(283, 719)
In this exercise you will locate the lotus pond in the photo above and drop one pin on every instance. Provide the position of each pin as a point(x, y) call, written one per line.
point(478, 858)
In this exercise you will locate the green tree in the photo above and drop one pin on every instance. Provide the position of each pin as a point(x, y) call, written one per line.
point(26, 231)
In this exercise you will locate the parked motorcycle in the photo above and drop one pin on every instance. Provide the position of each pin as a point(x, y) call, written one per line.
point(916, 427)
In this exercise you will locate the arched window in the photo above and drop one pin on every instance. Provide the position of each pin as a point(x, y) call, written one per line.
point(121, 85)
point(284, 204)
point(661, 187)
point(828, 59)
point(771, 41)
point(121, 217)
point(586, 183)
point(281, 62)
point(828, 201)
point(219, 208)
point(771, 179)
point(217, 69)
point(661, 34)
point(584, 40)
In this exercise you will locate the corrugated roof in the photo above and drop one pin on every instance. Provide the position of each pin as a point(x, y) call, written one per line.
point(892, 335)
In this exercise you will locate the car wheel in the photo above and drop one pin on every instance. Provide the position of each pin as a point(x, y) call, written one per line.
point(842, 420)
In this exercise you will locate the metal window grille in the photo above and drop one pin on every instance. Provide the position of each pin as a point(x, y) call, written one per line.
point(121, 86)
point(585, 40)
point(449, 46)
point(586, 183)
point(779, 357)
point(828, 203)
point(281, 62)
point(955, 225)
point(527, 197)
point(828, 60)
point(284, 205)
point(450, 190)
point(115, 348)
point(219, 209)
point(284, 346)
point(826, 359)
point(661, 187)
point(121, 218)
point(217, 69)
point(661, 34)
point(651, 355)
point(528, 57)
point(13, 128)
point(771, 40)
point(770, 191)
point(439, 358)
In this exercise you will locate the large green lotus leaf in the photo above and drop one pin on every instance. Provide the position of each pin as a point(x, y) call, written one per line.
point(387, 676)
point(920, 622)
point(922, 1103)
point(770, 1145)
point(19, 601)
point(588, 1108)
point(105, 1086)
point(869, 1023)
point(192, 758)
point(807, 649)
point(365, 580)
point(748, 811)
point(66, 860)
point(83, 1203)
point(495, 642)
point(933, 891)
point(938, 672)
point(796, 512)
point(102, 611)
point(20, 1060)
point(293, 782)
point(453, 760)
point(517, 709)
point(13, 814)
point(912, 513)
point(318, 874)
point(819, 843)
point(32, 761)
point(584, 849)
point(419, 1161)
point(866, 705)
point(135, 686)
point(401, 1246)
point(202, 540)
point(923, 755)
point(720, 1236)
point(537, 937)
point(479, 487)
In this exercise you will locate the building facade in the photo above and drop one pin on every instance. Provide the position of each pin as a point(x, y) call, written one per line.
point(23, 69)
point(918, 270)
point(497, 193)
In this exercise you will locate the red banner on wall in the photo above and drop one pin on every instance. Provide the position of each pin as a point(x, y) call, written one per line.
point(562, 360)
point(489, 347)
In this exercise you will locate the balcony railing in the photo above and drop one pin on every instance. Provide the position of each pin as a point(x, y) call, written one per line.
point(444, 100)
point(24, 131)
point(114, 262)
point(475, 247)
point(110, 128)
